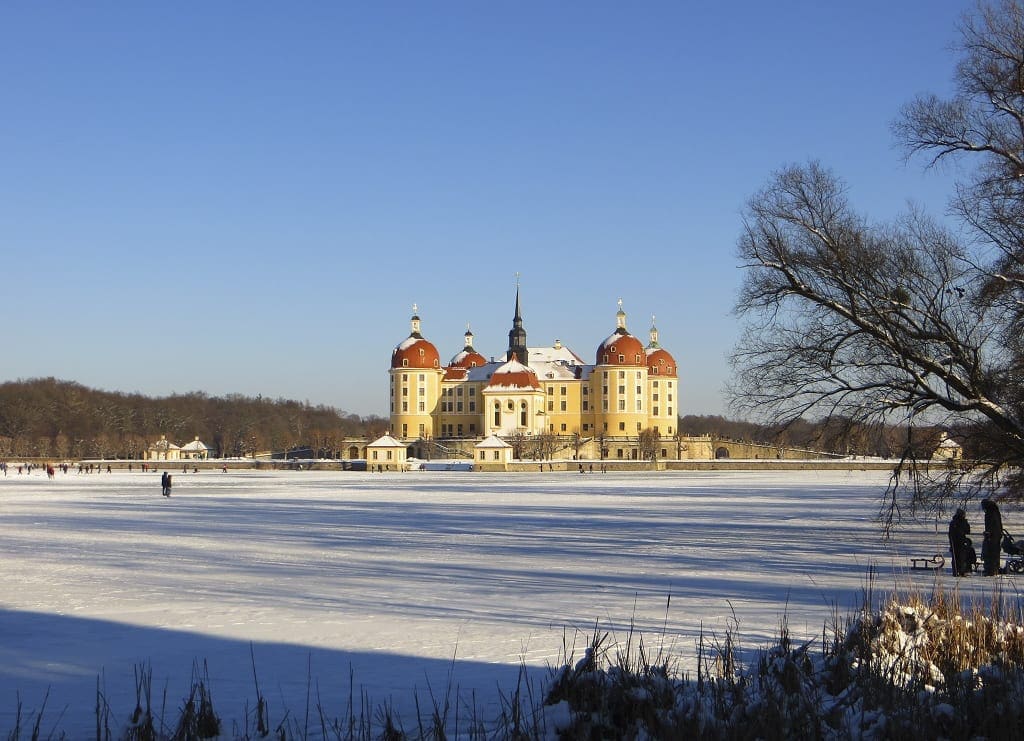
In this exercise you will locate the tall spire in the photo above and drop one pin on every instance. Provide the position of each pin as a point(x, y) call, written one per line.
point(517, 335)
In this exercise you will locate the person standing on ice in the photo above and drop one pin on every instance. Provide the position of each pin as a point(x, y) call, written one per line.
point(960, 544)
point(993, 537)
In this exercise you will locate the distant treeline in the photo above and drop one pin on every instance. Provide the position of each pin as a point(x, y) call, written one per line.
point(46, 417)
point(832, 435)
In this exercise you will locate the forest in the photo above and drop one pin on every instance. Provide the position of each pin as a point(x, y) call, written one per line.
point(49, 418)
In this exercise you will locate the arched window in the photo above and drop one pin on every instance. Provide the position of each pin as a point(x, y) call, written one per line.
point(497, 414)
point(522, 414)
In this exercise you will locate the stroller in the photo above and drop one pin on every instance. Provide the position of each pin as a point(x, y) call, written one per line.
point(1014, 550)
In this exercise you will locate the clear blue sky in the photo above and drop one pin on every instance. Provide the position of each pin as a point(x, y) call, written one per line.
point(195, 195)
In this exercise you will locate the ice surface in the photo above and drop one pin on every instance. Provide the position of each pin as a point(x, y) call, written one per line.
point(414, 582)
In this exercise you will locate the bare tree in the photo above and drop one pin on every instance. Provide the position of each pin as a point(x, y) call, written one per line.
point(905, 323)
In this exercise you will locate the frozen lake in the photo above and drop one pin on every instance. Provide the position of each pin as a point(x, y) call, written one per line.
point(413, 582)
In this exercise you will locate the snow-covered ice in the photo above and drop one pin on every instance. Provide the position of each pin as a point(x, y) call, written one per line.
point(413, 583)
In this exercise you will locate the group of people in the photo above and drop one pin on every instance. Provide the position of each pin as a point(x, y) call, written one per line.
point(965, 558)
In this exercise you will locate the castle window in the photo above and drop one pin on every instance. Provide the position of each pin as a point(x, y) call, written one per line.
point(670, 411)
point(622, 374)
point(458, 406)
point(472, 428)
point(551, 390)
point(423, 406)
point(423, 430)
point(586, 405)
point(405, 362)
point(638, 390)
point(436, 362)
point(638, 358)
point(670, 397)
point(522, 415)
point(604, 405)
point(497, 414)
point(472, 406)
point(670, 429)
point(622, 426)
point(423, 377)
point(622, 390)
point(405, 430)
point(622, 405)
point(604, 358)
point(562, 391)
point(405, 390)
point(654, 370)
point(458, 391)
point(405, 406)
point(622, 358)
point(638, 427)
point(655, 411)
point(563, 406)
point(639, 405)
point(551, 406)
point(472, 391)
point(612, 348)
point(405, 377)
point(460, 430)
point(511, 405)
point(563, 427)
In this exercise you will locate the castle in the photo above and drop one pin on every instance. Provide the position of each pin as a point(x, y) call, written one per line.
point(545, 401)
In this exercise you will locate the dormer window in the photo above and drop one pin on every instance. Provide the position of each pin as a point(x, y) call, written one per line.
point(405, 362)
point(604, 358)
point(622, 358)
point(637, 359)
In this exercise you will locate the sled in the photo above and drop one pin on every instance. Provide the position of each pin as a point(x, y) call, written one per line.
point(928, 563)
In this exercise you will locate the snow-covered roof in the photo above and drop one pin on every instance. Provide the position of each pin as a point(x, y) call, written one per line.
point(163, 444)
point(492, 441)
point(386, 441)
point(196, 445)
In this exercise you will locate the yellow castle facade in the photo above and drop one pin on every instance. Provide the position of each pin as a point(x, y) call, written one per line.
point(549, 400)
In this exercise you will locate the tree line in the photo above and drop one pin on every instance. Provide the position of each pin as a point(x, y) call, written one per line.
point(49, 418)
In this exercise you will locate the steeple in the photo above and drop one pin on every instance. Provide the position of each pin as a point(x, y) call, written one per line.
point(415, 323)
point(654, 336)
point(620, 320)
point(517, 335)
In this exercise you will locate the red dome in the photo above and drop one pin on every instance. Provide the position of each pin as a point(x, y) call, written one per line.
point(415, 352)
point(621, 349)
point(513, 376)
point(661, 363)
point(467, 359)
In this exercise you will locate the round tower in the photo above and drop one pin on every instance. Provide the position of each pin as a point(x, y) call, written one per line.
point(416, 375)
